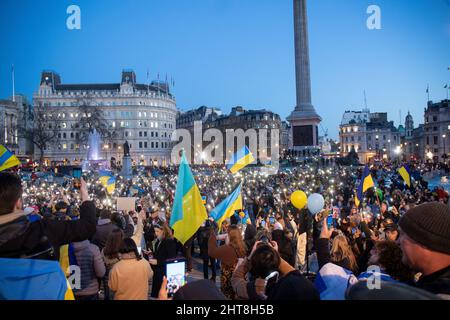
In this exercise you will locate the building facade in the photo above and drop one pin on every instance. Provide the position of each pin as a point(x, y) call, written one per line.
point(371, 135)
point(9, 120)
point(436, 131)
point(413, 140)
point(258, 122)
point(142, 114)
point(14, 115)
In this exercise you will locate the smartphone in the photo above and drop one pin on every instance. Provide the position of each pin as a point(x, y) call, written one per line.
point(263, 223)
point(270, 280)
point(353, 230)
point(176, 276)
point(271, 220)
point(264, 239)
point(330, 221)
point(76, 174)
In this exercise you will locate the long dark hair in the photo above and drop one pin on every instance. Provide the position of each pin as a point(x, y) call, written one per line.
point(113, 244)
point(128, 245)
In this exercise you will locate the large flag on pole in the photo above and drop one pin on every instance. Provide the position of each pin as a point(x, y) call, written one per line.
point(240, 159)
point(227, 207)
point(405, 174)
point(188, 211)
point(7, 159)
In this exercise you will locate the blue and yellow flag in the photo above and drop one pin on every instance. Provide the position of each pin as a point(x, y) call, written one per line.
point(7, 159)
point(406, 174)
point(108, 180)
point(188, 212)
point(366, 179)
point(365, 183)
point(32, 279)
point(227, 207)
point(359, 194)
point(240, 159)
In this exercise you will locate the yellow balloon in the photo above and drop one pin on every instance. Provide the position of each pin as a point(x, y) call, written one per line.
point(299, 199)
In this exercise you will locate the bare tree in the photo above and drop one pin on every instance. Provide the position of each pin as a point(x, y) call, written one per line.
point(41, 127)
point(93, 118)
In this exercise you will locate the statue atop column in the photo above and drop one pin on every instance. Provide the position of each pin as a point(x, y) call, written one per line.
point(126, 149)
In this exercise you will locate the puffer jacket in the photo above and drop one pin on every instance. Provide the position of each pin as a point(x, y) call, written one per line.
point(91, 266)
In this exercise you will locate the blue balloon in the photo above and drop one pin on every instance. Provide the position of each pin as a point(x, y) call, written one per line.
point(315, 203)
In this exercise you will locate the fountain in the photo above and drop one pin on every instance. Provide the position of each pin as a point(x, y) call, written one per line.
point(94, 144)
point(93, 160)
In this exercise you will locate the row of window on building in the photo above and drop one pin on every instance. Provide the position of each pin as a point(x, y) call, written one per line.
point(103, 93)
point(153, 145)
point(369, 138)
point(113, 146)
point(108, 114)
point(152, 134)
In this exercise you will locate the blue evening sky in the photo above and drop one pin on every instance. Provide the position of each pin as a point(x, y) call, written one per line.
point(225, 53)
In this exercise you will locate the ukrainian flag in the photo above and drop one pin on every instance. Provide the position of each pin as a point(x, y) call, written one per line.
point(108, 180)
point(365, 183)
point(366, 179)
point(359, 194)
point(240, 159)
point(188, 212)
point(227, 207)
point(406, 174)
point(32, 279)
point(7, 159)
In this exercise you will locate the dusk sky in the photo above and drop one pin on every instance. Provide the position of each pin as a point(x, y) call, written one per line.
point(224, 53)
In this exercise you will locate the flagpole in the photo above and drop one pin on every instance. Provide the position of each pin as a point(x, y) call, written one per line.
point(428, 92)
point(13, 86)
point(148, 83)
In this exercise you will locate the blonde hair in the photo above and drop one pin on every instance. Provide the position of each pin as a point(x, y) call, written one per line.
point(341, 250)
point(236, 241)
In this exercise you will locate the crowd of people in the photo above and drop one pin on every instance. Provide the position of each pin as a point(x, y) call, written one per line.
point(395, 244)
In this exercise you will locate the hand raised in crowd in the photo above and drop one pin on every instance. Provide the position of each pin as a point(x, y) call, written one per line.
point(84, 191)
point(326, 233)
point(163, 294)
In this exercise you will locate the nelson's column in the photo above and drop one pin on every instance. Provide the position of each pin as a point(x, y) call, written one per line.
point(304, 119)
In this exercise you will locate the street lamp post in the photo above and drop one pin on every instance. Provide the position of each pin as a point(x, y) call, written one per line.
point(444, 155)
point(389, 152)
point(376, 146)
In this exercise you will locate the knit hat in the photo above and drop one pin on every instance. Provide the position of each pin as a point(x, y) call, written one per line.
point(429, 225)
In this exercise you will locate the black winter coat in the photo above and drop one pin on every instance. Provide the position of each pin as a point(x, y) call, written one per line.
point(19, 238)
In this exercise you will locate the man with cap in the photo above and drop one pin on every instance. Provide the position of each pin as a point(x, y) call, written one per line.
point(425, 242)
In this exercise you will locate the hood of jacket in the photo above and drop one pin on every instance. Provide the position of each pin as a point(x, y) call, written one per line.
point(12, 225)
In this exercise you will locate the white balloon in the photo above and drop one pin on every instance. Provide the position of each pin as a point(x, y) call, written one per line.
point(315, 203)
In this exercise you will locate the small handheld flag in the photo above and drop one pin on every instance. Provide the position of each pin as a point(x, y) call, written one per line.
point(108, 181)
point(366, 179)
point(7, 159)
point(227, 207)
point(405, 174)
point(240, 159)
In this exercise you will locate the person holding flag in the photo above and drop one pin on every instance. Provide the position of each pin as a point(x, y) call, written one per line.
point(234, 247)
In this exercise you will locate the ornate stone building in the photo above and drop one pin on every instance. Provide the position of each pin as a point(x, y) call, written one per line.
point(142, 114)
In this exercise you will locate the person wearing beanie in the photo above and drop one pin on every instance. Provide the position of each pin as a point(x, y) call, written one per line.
point(425, 242)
